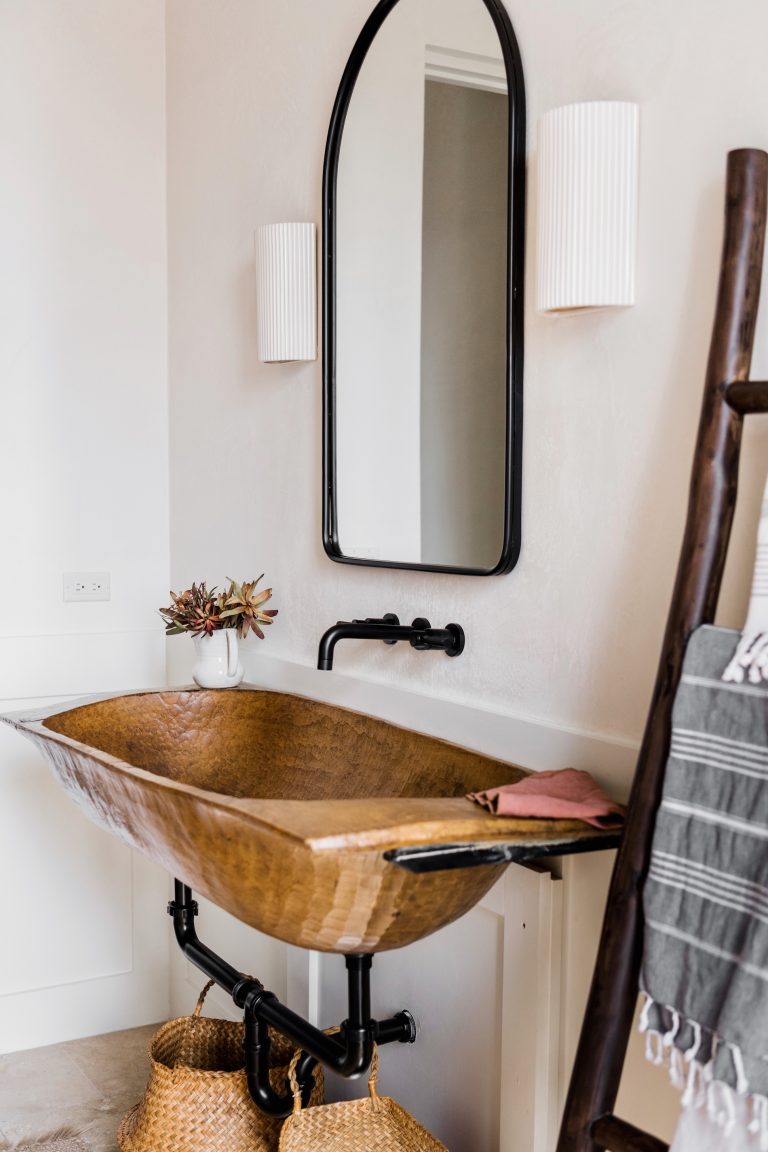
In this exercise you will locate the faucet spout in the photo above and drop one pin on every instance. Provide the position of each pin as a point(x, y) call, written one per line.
point(390, 633)
point(420, 635)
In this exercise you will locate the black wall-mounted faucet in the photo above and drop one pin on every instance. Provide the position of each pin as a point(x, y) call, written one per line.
point(420, 635)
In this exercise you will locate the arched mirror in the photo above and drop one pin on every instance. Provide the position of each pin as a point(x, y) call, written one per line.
point(423, 257)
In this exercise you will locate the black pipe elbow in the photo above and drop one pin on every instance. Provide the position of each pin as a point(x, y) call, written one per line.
point(358, 1053)
point(183, 909)
point(257, 1045)
point(349, 1053)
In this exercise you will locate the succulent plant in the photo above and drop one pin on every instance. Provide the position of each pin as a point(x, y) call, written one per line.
point(200, 611)
point(241, 608)
point(196, 610)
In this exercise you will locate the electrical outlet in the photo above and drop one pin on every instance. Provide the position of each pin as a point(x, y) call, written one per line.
point(81, 586)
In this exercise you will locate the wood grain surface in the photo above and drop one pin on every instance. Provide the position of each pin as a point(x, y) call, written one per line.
point(279, 808)
point(588, 1122)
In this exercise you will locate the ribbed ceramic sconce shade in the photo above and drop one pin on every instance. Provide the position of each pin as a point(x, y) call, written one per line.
point(588, 166)
point(287, 292)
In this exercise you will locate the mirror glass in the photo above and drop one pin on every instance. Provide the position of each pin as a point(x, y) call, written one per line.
point(421, 374)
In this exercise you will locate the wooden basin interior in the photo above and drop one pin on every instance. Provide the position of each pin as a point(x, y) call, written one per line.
point(286, 812)
point(253, 744)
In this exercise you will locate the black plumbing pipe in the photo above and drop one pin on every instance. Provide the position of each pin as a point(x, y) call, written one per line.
point(257, 1046)
point(347, 1053)
point(359, 989)
point(183, 909)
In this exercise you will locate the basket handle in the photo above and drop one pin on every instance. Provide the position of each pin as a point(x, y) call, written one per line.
point(293, 1079)
point(294, 1083)
point(202, 996)
point(373, 1075)
point(206, 990)
point(296, 1088)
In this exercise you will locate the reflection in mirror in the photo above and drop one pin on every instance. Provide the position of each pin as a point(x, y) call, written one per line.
point(422, 381)
point(463, 325)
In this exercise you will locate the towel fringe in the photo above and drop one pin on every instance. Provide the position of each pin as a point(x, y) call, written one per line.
point(721, 1105)
point(758, 1125)
point(750, 657)
point(696, 1078)
point(645, 1015)
point(677, 1069)
point(742, 1083)
point(693, 1087)
point(654, 1047)
point(669, 1037)
point(693, 1051)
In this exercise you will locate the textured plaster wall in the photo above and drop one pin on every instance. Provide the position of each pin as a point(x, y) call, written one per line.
point(611, 399)
point(83, 309)
point(571, 637)
point(83, 486)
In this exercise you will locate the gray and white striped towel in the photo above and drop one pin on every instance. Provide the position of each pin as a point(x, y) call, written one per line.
point(705, 965)
point(751, 655)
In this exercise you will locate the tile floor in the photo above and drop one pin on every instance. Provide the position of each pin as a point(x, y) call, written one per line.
point(84, 1085)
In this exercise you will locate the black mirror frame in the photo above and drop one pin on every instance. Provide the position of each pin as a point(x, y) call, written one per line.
point(515, 295)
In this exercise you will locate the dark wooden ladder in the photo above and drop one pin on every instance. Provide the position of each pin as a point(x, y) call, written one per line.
point(729, 395)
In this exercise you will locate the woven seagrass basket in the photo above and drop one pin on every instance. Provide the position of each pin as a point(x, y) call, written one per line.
point(197, 1098)
point(372, 1124)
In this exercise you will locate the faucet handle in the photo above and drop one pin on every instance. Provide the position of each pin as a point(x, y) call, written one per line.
point(420, 625)
point(459, 640)
point(387, 618)
point(449, 639)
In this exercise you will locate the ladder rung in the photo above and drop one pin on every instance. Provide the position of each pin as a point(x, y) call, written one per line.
point(747, 397)
point(619, 1136)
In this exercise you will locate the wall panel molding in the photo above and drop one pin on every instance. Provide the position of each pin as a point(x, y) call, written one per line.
point(79, 663)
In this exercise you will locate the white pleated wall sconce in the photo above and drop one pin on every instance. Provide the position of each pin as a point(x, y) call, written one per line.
point(287, 292)
point(588, 171)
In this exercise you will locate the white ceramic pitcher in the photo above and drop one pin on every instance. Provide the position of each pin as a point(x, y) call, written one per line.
point(216, 660)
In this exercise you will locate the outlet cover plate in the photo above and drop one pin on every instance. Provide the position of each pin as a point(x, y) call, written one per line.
point(86, 586)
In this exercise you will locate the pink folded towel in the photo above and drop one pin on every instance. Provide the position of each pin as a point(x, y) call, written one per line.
point(568, 794)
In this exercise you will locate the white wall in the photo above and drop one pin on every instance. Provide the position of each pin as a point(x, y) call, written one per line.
point(611, 399)
point(571, 637)
point(83, 486)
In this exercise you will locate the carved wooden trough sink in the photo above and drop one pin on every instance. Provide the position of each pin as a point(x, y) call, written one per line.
point(317, 825)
